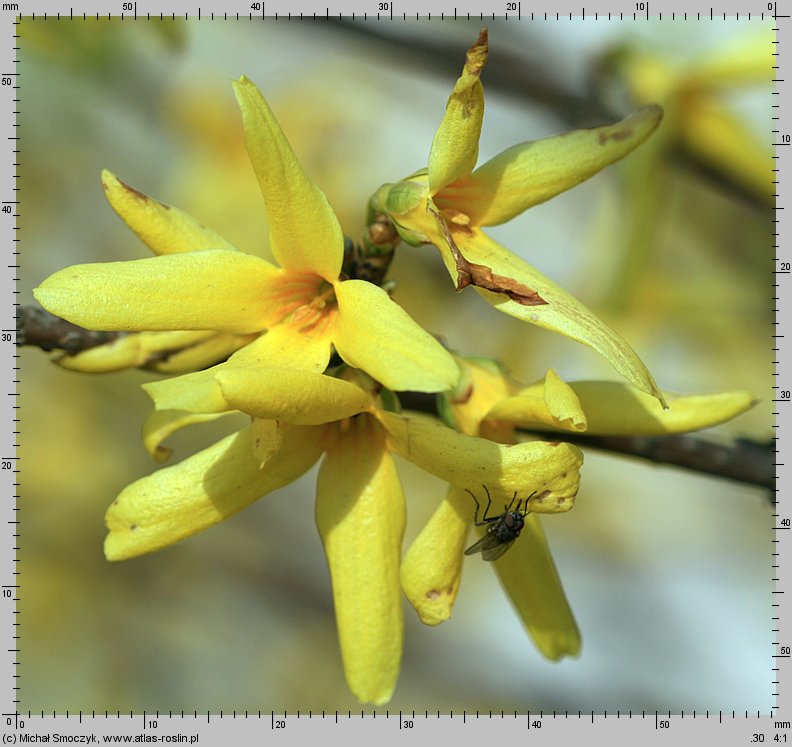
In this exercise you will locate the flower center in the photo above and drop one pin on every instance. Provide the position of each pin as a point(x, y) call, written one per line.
point(303, 300)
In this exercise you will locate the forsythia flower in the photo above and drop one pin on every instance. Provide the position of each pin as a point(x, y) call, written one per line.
point(449, 203)
point(261, 337)
point(305, 305)
point(489, 403)
point(297, 416)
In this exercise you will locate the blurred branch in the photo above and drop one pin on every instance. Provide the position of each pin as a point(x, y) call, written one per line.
point(39, 328)
point(526, 80)
point(507, 72)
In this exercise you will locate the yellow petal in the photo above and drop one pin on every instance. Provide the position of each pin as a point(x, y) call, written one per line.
point(201, 355)
point(432, 568)
point(616, 409)
point(131, 351)
point(562, 402)
point(375, 334)
point(561, 313)
point(486, 382)
point(179, 501)
point(455, 146)
point(550, 470)
point(281, 348)
point(267, 439)
point(304, 231)
point(287, 346)
point(554, 404)
point(360, 515)
point(162, 423)
point(163, 229)
point(529, 575)
point(530, 173)
point(299, 397)
point(197, 392)
point(209, 290)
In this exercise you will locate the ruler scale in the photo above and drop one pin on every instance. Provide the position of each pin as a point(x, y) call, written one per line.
point(216, 726)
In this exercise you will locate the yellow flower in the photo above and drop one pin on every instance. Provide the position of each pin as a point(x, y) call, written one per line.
point(297, 416)
point(448, 204)
point(199, 282)
point(489, 403)
point(432, 568)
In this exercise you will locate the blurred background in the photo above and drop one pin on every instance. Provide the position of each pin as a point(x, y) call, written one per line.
point(668, 572)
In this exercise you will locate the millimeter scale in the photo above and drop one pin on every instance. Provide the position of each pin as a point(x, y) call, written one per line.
point(215, 726)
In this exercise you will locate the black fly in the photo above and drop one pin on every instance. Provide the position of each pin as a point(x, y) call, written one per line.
point(502, 530)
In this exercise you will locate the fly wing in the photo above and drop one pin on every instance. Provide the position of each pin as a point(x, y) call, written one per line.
point(494, 552)
point(490, 546)
point(483, 544)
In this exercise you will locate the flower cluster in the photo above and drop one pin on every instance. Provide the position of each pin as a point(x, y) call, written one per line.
point(316, 355)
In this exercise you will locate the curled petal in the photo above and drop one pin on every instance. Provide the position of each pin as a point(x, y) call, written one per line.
point(375, 334)
point(530, 173)
point(561, 313)
point(179, 501)
point(162, 228)
point(304, 231)
point(360, 514)
point(455, 146)
point(553, 403)
point(549, 470)
point(616, 409)
point(163, 423)
point(197, 392)
point(208, 290)
point(538, 594)
point(432, 568)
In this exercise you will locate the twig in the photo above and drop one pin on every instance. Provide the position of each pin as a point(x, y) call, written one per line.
point(39, 328)
point(743, 461)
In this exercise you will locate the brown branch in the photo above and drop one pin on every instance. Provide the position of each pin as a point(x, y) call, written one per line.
point(743, 461)
point(39, 328)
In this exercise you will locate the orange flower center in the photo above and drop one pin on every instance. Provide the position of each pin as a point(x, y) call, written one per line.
point(304, 301)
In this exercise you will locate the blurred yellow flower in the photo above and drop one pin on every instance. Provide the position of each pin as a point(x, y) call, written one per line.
point(699, 117)
point(702, 122)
